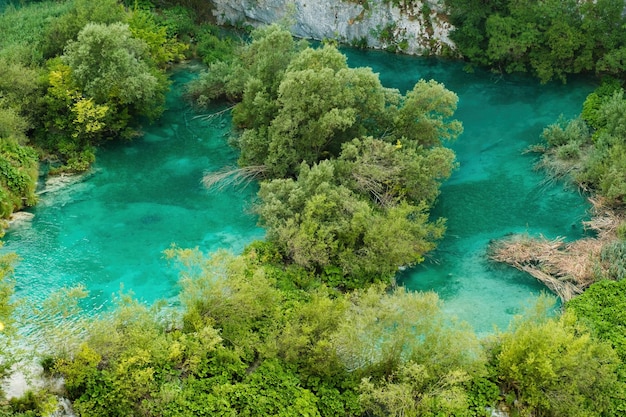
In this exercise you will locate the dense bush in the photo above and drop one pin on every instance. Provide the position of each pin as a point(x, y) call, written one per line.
point(551, 39)
point(555, 367)
point(241, 345)
point(592, 148)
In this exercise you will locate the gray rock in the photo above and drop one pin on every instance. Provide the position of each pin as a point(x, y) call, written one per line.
point(420, 28)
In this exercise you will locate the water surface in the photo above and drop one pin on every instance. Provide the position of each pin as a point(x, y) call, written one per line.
point(111, 229)
point(495, 191)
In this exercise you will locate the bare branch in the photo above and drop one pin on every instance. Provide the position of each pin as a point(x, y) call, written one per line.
point(214, 115)
point(232, 176)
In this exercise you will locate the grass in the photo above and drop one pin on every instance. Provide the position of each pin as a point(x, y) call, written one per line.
point(23, 28)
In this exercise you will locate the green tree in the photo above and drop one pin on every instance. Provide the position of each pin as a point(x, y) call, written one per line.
point(551, 39)
point(555, 367)
point(415, 361)
point(327, 228)
point(109, 65)
point(65, 27)
point(97, 91)
point(227, 293)
point(602, 308)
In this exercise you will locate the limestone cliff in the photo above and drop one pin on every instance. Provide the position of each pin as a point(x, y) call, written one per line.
point(412, 27)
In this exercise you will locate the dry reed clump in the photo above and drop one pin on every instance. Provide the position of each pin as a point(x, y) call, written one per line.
point(565, 268)
point(232, 176)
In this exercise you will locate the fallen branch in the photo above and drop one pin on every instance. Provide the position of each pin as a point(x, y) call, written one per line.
point(231, 176)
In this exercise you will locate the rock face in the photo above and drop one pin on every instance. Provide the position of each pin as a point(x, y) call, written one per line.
point(414, 27)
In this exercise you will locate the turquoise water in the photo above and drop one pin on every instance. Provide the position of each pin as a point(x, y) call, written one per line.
point(495, 191)
point(111, 229)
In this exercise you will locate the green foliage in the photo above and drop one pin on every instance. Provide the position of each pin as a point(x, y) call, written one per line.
point(321, 104)
point(605, 167)
point(554, 367)
point(383, 332)
point(411, 392)
point(603, 308)
point(65, 27)
point(18, 87)
point(30, 404)
point(482, 395)
point(593, 102)
point(621, 231)
point(318, 224)
point(107, 79)
point(226, 293)
point(423, 117)
point(416, 362)
point(242, 346)
point(354, 166)
point(7, 330)
point(212, 46)
point(593, 148)
point(613, 260)
point(551, 39)
point(109, 65)
point(256, 67)
point(162, 48)
point(179, 22)
point(23, 30)
point(19, 172)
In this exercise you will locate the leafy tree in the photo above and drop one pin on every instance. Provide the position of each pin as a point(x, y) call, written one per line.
point(109, 65)
point(353, 166)
point(319, 109)
point(389, 173)
point(416, 362)
point(97, 90)
point(23, 30)
point(593, 150)
point(257, 68)
point(65, 27)
point(601, 307)
point(381, 332)
point(228, 294)
point(322, 104)
point(327, 228)
point(423, 118)
point(163, 49)
point(555, 367)
point(551, 39)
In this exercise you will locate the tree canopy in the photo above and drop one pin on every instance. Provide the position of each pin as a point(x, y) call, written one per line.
point(552, 39)
point(350, 167)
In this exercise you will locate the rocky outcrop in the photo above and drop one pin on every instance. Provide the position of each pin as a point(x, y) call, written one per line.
point(412, 27)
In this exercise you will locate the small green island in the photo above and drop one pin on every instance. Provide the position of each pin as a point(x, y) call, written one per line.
point(311, 320)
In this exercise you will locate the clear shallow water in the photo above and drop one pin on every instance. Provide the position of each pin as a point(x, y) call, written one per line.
point(495, 191)
point(111, 229)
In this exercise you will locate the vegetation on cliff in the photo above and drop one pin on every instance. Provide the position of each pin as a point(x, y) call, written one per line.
point(551, 39)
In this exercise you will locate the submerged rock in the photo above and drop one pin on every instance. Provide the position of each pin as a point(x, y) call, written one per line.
point(30, 377)
point(20, 217)
point(57, 182)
